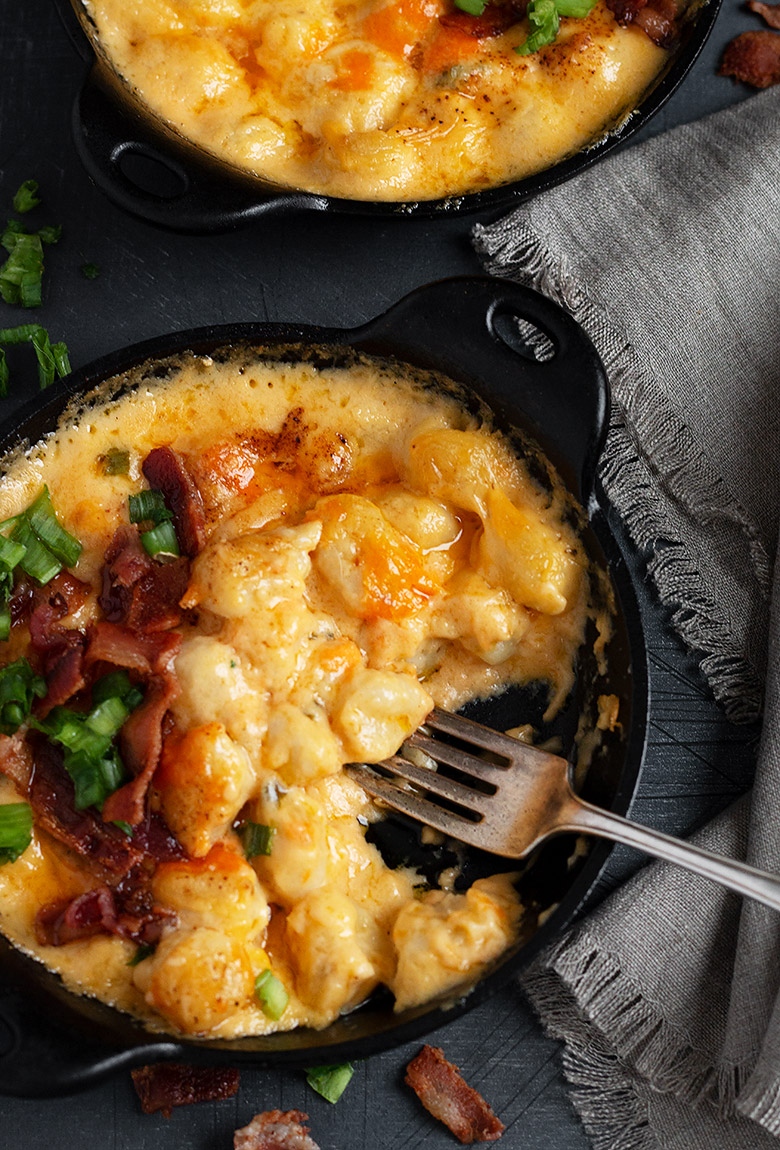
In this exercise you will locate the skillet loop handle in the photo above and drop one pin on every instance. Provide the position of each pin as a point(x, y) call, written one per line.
point(548, 379)
point(159, 178)
point(41, 1058)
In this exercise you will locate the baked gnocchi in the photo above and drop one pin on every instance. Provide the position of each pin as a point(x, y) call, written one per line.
point(400, 100)
point(292, 566)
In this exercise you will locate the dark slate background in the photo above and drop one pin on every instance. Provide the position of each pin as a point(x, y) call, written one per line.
point(334, 271)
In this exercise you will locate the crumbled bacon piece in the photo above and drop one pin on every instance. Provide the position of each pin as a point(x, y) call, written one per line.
point(169, 1084)
point(137, 590)
point(129, 914)
point(494, 20)
point(770, 12)
point(442, 1091)
point(165, 470)
point(656, 18)
point(16, 762)
point(275, 1130)
point(753, 58)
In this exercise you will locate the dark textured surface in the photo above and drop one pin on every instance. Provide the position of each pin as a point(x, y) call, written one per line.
point(323, 270)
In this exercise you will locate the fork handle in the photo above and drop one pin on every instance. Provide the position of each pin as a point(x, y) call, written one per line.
point(577, 815)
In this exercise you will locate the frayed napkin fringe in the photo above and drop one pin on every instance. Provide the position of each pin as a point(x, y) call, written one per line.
point(578, 974)
point(761, 1102)
point(635, 485)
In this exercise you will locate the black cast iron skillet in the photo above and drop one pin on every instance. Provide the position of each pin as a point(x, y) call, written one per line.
point(464, 328)
point(151, 171)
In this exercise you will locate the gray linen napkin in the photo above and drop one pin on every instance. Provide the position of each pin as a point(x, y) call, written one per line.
point(668, 997)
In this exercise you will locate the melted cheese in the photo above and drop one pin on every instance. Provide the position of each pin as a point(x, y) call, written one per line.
point(372, 550)
point(379, 100)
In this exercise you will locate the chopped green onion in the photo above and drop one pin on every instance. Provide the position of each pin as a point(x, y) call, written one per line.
point(116, 685)
point(11, 553)
point(543, 16)
point(52, 357)
point(124, 827)
point(51, 233)
point(41, 517)
point(91, 757)
point(5, 623)
point(90, 271)
point(473, 7)
point(148, 506)
point(15, 830)
point(257, 839)
point(37, 561)
point(22, 273)
point(142, 953)
point(271, 995)
point(115, 462)
point(161, 540)
point(19, 687)
point(13, 229)
point(27, 197)
point(330, 1081)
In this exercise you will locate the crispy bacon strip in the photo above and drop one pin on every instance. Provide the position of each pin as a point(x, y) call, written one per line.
point(275, 1130)
point(140, 739)
point(168, 1084)
point(137, 591)
point(165, 470)
point(770, 12)
point(753, 58)
point(108, 851)
point(61, 649)
point(444, 1094)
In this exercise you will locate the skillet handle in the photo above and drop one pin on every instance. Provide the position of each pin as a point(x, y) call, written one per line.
point(472, 323)
point(188, 196)
point(40, 1058)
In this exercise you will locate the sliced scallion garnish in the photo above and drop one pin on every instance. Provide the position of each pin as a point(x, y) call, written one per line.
point(271, 995)
point(41, 517)
point(148, 506)
point(116, 461)
point(37, 561)
point(257, 839)
point(161, 540)
point(15, 830)
point(19, 687)
point(330, 1081)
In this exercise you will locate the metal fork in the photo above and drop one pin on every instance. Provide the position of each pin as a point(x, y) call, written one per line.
point(505, 796)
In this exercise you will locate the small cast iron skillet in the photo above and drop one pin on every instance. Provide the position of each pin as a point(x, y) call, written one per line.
point(466, 329)
point(149, 170)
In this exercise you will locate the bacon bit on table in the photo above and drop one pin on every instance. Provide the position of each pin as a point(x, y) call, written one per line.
point(168, 1084)
point(165, 470)
point(275, 1130)
point(753, 58)
point(444, 1094)
point(770, 12)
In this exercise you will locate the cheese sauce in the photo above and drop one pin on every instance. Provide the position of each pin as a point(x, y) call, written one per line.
point(374, 100)
point(371, 550)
